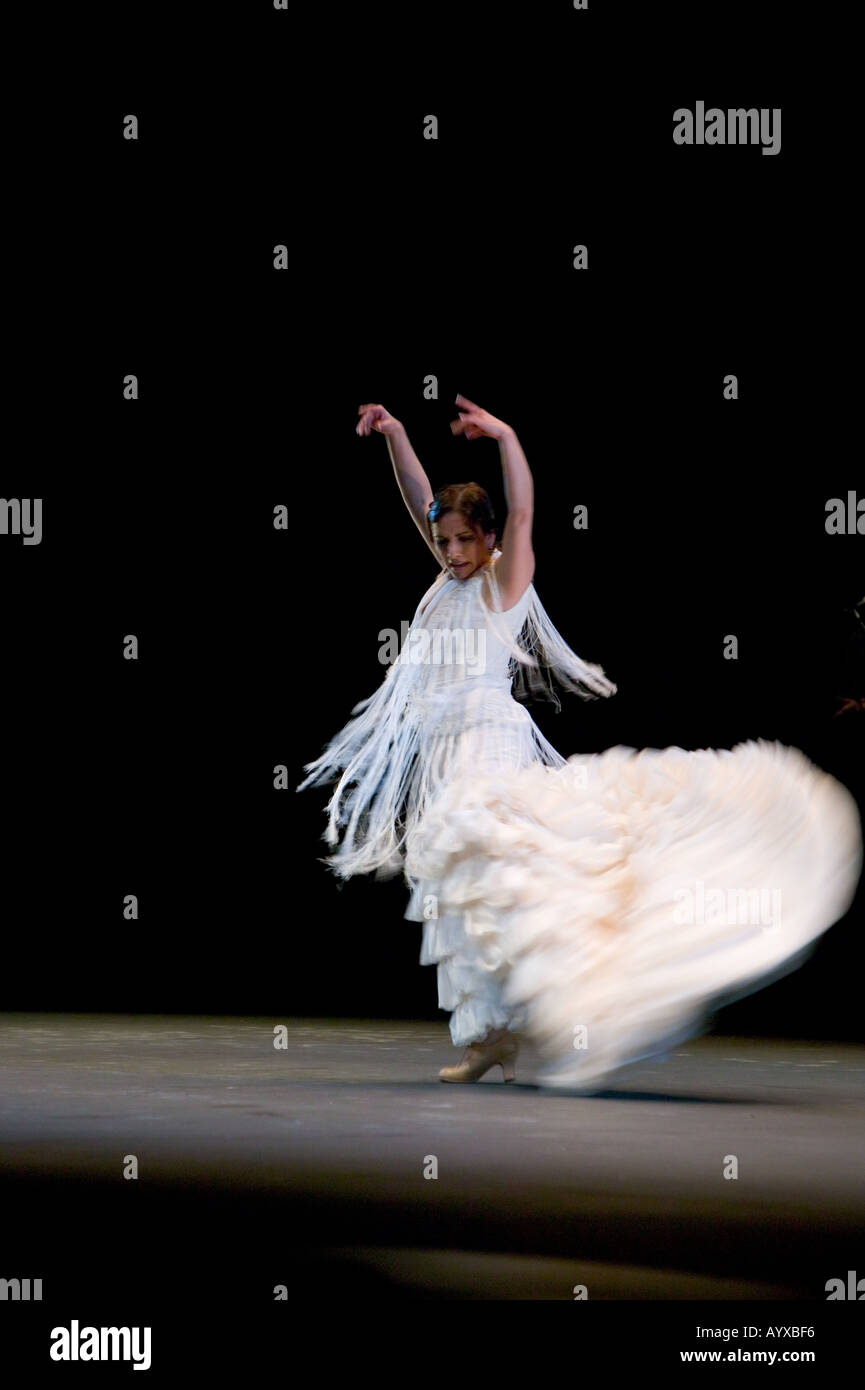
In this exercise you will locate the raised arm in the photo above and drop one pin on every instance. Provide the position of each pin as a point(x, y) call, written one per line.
point(516, 567)
point(411, 479)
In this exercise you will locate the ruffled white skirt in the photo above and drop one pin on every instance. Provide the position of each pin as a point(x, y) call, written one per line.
point(604, 907)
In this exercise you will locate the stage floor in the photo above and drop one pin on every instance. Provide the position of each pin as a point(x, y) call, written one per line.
point(343, 1152)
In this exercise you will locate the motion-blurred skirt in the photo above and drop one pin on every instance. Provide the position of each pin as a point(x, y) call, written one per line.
point(605, 907)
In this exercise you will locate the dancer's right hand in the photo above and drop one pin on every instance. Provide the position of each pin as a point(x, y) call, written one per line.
point(375, 417)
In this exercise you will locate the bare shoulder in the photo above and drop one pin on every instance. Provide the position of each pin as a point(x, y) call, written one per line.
point(510, 595)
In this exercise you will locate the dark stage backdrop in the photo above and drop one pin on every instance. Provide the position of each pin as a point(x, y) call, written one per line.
point(414, 269)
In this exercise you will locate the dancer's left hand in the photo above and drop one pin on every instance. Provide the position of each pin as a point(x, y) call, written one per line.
point(474, 422)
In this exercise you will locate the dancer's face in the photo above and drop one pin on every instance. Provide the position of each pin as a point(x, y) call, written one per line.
point(461, 549)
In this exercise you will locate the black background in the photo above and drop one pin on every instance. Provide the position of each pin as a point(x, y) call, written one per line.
point(409, 258)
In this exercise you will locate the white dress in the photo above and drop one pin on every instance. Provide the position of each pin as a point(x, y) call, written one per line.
point(602, 904)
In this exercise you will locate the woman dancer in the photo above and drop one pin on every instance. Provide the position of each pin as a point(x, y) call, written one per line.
point(601, 904)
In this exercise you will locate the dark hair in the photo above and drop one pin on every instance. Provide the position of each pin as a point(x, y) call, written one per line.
point(471, 501)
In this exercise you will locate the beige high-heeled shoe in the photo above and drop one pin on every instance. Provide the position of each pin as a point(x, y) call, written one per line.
point(479, 1057)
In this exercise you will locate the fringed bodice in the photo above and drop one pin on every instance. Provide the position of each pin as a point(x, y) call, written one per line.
point(445, 707)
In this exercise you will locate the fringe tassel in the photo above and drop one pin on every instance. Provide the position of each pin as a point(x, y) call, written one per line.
point(389, 771)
